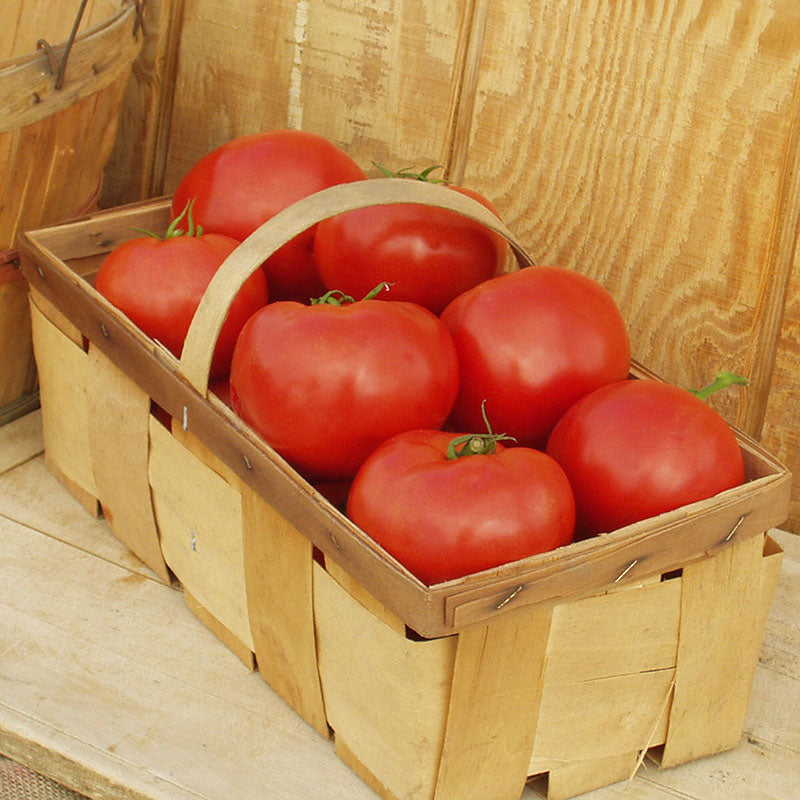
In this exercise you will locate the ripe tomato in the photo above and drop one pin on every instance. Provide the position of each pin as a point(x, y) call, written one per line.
point(325, 384)
point(530, 343)
point(158, 284)
point(248, 180)
point(429, 255)
point(638, 448)
point(443, 517)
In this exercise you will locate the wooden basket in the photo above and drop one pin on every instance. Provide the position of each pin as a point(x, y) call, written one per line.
point(59, 108)
point(587, 657)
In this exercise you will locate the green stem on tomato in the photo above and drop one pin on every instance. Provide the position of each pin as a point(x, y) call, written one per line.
point(406, 172)
point(477, 444)
point(336, 297)
point(722, 381)
point(173, 230)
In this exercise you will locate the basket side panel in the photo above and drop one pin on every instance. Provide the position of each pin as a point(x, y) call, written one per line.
point(278, 570)
point(608, 717)
point(622, 632)
point(386, 696)
point(608, 680)
point(199, 515)
point(62, 367)
point(494, 707)
point(722, 624)
point(119, 443)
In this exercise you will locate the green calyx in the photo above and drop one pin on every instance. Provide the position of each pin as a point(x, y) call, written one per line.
point(724, 380)
point(477, 444)
point(173, 230)
point(406, 172)
point(336, 297)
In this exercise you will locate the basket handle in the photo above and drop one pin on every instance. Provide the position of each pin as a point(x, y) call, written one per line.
point(201, 339)
point(43, 44)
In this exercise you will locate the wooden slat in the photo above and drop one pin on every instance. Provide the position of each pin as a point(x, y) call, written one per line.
point(598, 719)
point(199, 517)
point(27, 22)
point(119, 420)
point(62, 369)
point(386, 696)
point(118, 692)
point(494, 708)
point(280, 600)
point(97, 59)
point(649, 135)
point(135, 168)
point(722, 621)
point(623, 632)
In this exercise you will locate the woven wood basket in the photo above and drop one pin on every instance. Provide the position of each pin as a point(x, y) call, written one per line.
point(571, 664)
point(63, 75)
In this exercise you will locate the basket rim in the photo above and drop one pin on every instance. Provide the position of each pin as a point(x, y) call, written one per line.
point(645, 548)
point(98, 56)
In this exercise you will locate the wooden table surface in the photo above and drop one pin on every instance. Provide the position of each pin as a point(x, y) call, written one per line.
point(110, 686)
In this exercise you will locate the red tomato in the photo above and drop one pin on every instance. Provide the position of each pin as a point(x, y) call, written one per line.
point(638, 448)
point(248, 180)
point(530, 343)
point(429, 255)
point(326, 384)
point(446, 517)
point(158, 284)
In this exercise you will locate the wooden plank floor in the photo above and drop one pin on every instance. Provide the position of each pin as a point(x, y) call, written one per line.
point(111, 687)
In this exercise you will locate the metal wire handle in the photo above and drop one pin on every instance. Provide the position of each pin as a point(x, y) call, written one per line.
point(43, 44)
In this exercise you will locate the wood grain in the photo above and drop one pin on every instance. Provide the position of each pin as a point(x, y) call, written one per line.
point(376, 79)
point(495, 707)
point(135, 168)
point(119, 442)
point(722, 611)
point(655, 149)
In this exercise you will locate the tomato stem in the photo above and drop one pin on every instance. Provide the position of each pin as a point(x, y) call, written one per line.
point(382, 286)
point(173, 230)
point(336, 297)
point(477, 444)
point(722, 381)
point(406, 172)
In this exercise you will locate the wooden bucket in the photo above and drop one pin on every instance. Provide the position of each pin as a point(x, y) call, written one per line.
point(63, 72)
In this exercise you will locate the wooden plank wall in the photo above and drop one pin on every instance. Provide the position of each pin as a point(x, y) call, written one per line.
point(652, 145)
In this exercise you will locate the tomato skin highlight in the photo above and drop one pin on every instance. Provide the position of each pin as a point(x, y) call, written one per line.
point(158, 284)
point(639, 448)
point(246, 181)
point(429, 255)
point(443, 519)
point(324, 385)
point(531, 343)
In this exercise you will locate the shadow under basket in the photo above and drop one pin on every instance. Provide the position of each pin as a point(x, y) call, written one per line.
point(571, 666)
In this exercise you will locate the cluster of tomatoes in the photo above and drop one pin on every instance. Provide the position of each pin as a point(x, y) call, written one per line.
point(464, 416)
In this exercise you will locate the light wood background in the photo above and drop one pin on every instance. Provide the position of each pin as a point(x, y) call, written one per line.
point(652, 145)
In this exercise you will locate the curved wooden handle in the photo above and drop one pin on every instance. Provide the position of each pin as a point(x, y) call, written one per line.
point(201, 339)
